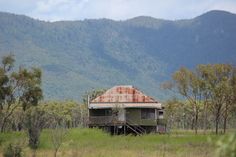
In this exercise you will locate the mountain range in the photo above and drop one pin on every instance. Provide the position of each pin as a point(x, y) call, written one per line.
point(79, 56)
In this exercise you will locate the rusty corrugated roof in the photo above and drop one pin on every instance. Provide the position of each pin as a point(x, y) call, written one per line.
point(128, 94)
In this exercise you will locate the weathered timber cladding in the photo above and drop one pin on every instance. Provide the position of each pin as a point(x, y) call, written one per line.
point(134, 116)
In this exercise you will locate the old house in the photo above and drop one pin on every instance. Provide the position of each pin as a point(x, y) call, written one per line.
point(125, 109)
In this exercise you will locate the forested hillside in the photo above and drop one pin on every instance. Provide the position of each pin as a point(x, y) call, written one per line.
point(77, 56)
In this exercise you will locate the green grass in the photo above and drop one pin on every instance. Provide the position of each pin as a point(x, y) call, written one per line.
point(94, 142)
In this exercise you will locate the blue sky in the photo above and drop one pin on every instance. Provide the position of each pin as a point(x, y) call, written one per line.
point(54, 10)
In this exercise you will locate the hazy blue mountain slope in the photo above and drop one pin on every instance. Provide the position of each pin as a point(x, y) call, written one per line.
point(77, 56)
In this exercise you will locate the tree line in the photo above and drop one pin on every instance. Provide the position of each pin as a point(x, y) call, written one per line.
point(207, 95)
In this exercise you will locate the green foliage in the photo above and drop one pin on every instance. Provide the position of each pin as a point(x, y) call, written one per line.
point(32, 87)
point(69, 112)
point(208, 88)
point(17, 88)
point(92, 95)
point(8, 62)
point(77, 56)
point(227, 146)
point(6, 85)
point(35, 121)
point(14, 148)
point(218, 85)
point(189, 86)
point(12, 151)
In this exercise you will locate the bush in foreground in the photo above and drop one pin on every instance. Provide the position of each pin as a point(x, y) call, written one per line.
point(13, 150)
point(227, 146)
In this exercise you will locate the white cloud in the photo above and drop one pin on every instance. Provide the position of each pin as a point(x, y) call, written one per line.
point(115, 9)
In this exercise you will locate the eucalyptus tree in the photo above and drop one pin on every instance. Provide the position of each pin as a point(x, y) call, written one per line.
point(189, 86)
point(6, 91)
point(20, 87)
point(220, 84)
point(210, 89)
point(177, 114)
point(92, 95)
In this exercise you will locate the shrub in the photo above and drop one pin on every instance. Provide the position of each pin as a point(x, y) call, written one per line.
point(227, 146)
point(13, 150)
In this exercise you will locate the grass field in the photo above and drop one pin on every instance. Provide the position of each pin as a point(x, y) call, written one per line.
point(96, 143)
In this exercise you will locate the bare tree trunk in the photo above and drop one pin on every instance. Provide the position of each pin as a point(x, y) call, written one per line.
point(55, 153)
point(217, 125)
point(196, 122)
point(3, 126)
point(34, 153)
point(205, 118)
point(217, 120)
point(192, 124)
point(225, 118)
point(225, 124)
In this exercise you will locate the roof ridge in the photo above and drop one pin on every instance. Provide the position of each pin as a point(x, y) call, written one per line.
point(124, 93)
